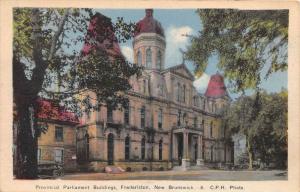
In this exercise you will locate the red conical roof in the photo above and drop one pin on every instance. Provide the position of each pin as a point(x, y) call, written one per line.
point(216, 87)
point(149, 25)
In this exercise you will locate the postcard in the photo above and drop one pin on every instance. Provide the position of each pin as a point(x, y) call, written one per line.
point(149, 96)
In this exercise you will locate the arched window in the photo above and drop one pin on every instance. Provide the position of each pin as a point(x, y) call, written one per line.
point(185, 119)
point(148, 57)
point(109, 113)
point(127, 148)
point(184, 94)
point(144, 86)
point(160, 118)
point(179, 118)
point(143, 143)
point(143, 116)
point(139, 58)
point(211, 129)
point(158, 60)
point(195, 122)
point(126, 113)
point(160, 150)
point(178, 92)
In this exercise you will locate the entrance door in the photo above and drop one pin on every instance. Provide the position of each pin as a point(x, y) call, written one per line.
point(180, 148)
point(110, 149)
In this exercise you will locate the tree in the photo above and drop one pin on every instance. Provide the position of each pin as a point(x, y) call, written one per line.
point(43, 55)
point(262, 118)
point(244, 41)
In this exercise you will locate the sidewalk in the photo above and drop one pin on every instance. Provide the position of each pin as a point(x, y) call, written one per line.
point(183, 175)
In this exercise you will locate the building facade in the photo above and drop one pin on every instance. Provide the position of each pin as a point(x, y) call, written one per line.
point(167, 122)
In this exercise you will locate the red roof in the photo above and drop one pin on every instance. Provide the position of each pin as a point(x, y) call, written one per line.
point(49, 111)
point(149, 25)
point(216, 87)
point(100, 35)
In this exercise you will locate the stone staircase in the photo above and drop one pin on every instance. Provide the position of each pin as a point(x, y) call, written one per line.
point(113, 169)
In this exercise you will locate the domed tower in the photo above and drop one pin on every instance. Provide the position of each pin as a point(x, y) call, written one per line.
point(149, 43)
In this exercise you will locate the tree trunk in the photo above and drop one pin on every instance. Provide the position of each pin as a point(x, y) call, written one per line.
point(26, 141)
point(250, 155)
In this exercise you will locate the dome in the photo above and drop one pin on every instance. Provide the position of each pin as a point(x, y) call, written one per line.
point(216, 87)
point(149, 25)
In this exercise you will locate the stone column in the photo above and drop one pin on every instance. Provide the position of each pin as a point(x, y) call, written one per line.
point(185, 159)
point(175, 147)
point(200, 158)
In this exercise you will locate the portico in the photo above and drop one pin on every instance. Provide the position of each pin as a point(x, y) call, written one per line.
point(187, 145)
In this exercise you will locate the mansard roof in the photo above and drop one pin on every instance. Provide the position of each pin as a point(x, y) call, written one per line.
point(180, 70)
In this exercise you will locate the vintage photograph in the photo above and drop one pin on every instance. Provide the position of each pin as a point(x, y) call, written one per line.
point(150, 94)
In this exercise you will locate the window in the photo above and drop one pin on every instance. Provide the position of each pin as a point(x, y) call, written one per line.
point(143, 143)
point(148, 57)
point(202, 124)
point(109, 113)
point(144, 86)
point(204, 103)
point(211, 129)
point(59, 134)
point(160, 150)
point(184, 89)
point(127, 148)
point(159, 64)
point(126, 114)
point(59, 155)
point(179, 118)
point(39, 154)
point(178, 92)
point(160, 118)
point(139, 58)
point(143, 117)
point(185, 119)
point(195, 122)
point(195, 101)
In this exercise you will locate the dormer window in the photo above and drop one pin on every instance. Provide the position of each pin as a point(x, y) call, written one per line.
point(148, 57)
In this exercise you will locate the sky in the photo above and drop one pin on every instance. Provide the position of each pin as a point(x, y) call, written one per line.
point(177, 22)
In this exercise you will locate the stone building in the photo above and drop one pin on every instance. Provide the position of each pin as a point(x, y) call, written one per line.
point(58, 143)
point(166, 123)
